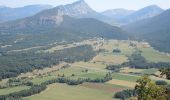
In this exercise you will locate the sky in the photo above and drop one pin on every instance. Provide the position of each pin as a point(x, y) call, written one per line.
point(98, 5)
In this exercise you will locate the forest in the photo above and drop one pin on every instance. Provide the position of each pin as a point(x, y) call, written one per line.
point(13, 64)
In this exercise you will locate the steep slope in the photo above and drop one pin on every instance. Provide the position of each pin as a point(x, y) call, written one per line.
point(144, 13)
point(80, 9)
point(156, 30)
point(64, 27)
point(8, 14)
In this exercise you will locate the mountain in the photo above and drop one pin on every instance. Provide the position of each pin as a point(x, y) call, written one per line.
point(58, 24)
point(156, 30)
point(117, 13)
point(144, 13)
point(80, 9)
point(8, 14)
point(1, 6)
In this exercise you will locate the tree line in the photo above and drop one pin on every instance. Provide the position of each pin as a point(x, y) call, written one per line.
point(12, 64)
point(35, 89)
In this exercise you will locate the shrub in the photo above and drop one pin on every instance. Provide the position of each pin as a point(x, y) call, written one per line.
point(125, 94)
point(161, 82)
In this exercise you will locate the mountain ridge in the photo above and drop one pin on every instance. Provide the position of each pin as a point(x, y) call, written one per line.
point(10, 14)
point(124, 16)
point(60, 23)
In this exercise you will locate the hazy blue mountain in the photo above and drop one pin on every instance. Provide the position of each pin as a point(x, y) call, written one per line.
point(80, 9)
point(117, 13)
point(144, 13)
point(1, 6)
point(58, 24)
point(156, 30)
point(8, 14)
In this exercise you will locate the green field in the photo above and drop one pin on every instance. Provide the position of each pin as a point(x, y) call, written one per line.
point(94, 75)
point(125, 77)
point(149, 71)
point(13, 89)
point(154, 56)
point(96, 68)
point(65, 92)
point(39, 80)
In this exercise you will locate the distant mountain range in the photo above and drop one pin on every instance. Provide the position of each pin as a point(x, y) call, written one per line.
point(78, 21)
point(64, 23)
point(9, 14)
point(80, 9)
point(156, 30)
point(117, 13)
point(123, 16)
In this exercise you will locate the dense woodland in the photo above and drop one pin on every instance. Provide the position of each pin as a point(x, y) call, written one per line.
point(15, 63)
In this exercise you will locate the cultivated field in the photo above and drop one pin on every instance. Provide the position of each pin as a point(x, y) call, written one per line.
point(65, 92)
point(96, 68)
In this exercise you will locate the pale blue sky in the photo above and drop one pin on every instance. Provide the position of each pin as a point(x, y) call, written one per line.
point(98, 5)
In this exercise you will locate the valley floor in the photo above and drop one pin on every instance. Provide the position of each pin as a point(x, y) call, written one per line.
point(96, 68)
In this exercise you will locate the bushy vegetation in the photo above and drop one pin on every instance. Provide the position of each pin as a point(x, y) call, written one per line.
point(13, 64)
point(116, 50)
point(165, 71)
point(12, 82)
point(115, 68)
point(161, 82)
point(123, 95)
point(136, 60)
point(33, 90)
point(145, 89)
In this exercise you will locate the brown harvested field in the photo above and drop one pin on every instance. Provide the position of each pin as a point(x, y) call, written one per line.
point(122, 83)
point(102, 87)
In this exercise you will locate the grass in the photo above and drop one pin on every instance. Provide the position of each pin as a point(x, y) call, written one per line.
point(154, 56)
point(117, 86)
point(13, 89)
point(149, 71)
point(65, 92)
point(68, 71)
point(125, 77)
point(123, 46)
point(39, 80)
point(110, 58)
point(91, 64)
point(129, 70)
point(149, 53)
point(96, 69)
point(94, 75)
point(59, 47)
point(104, 87)
point(122, 83)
